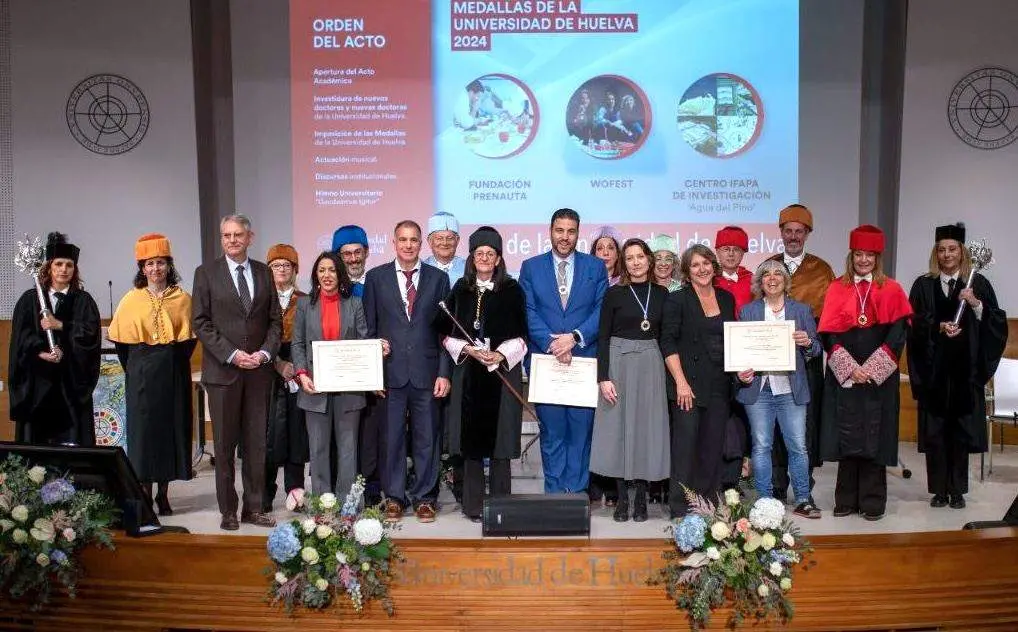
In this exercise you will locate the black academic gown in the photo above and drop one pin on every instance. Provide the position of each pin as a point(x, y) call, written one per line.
point(947, 376)
point(52, 403)
point(484, 417)
point(862, 421)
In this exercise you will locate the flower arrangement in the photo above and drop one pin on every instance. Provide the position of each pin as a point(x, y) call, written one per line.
point(44, 523)
point(733, 554)
point(332, 550)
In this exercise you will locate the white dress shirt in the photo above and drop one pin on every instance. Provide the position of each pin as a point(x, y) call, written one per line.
point(232, 265)
point(945, 280)
point(793, 263)
point(401, 280)
point(570, 268)
point(780, 384)
point(284, 297)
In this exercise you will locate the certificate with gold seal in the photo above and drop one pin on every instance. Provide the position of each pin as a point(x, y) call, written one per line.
point(760, 345)
point(347, 365)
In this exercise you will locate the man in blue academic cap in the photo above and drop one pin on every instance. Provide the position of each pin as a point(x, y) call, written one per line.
point(444, 238)
point(351, 242)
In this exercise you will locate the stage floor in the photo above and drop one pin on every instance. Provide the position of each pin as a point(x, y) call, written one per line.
point(908, 510)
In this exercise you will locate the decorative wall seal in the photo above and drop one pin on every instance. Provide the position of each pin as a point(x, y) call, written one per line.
point(107, 114)
point(983, 108)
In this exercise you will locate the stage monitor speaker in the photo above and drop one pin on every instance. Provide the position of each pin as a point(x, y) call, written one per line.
point(537, 515)
point(104, 469)
point(1010, 519)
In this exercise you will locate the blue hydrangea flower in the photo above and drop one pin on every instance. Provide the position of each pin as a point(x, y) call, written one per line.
point(56, 491)
point(689, 534)
point(58, 557)
point(283, 544)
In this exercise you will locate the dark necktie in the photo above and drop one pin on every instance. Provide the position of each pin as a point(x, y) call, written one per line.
point(950, 286)
point(243, 290)
point(411, 292)
point(58, 300)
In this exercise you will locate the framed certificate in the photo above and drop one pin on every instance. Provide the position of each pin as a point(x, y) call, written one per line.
point(347, 365)
point(573, 384)
point(760, 345)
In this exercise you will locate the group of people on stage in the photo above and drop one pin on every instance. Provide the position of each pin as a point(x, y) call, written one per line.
point(456, 334)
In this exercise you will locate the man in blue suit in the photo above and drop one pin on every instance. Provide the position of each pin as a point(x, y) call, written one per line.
point(564, 290)
point(401, 306)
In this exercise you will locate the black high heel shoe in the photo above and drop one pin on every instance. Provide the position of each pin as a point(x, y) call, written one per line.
point(621, 513)
point(640, 503)
point(162, 502)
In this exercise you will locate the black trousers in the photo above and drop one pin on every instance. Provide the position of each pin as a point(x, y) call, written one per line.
point(473, 483)
point(862, 486)
point(947, 461)
point(697, 451)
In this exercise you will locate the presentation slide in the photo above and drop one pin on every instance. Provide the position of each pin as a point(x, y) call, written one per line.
point(654, 116)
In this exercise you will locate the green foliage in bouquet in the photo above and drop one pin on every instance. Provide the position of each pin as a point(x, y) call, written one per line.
point(44, 524)
point(735, 555)
point(331, 550)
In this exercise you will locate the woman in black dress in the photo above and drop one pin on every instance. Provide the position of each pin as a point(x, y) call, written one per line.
point(484, 416)
point(700, 392)
point(152, 332)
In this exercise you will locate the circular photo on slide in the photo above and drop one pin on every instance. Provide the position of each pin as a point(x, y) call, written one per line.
point(608, 117)
point(497, 115)
point(720, 115)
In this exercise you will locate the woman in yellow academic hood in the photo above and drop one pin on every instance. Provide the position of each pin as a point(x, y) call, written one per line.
point(152, 332)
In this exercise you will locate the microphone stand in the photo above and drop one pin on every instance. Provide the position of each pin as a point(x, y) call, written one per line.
point(498, 370)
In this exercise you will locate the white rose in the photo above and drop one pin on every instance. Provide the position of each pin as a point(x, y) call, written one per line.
point(788, 539)
point(776, 569)
point(719, 530)
point(6, 525)
point(367, 531)
point(732, 497)
point(42, 530)
point(786, 583)
point(42, 559)
point(366, 566)
point(20, 513)
point(327, 501)
point(340, 557)
point(309, 554)
point(69, 534)
point(3, 477)
point(19, 536)
point(768, 541)
point(713, 553)
point(323, 531)
point(321, 584)
point(281, 578)
point(308, 524)
point(763, 590)
point(37, 474)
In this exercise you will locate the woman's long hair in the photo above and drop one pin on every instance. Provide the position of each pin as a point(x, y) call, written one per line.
point(342, 278)
point(878, 270)
point(498, 277)
point(618, 268)
point(635, 241)
point(46, 277)
point(172, 277)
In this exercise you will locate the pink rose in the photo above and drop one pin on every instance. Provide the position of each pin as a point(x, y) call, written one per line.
point(742, 526)
point(295, 499)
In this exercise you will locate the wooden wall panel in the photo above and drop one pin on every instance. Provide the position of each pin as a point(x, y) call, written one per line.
point(951, 580)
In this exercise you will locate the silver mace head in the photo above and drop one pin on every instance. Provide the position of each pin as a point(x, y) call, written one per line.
point(982, 256)
point(29, 255)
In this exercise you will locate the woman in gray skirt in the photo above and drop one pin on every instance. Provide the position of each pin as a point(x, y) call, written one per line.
point(631, 423)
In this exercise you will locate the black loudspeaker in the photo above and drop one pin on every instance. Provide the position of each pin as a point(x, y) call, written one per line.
point(1010, 519)
point(537, 514)
point(103, 469)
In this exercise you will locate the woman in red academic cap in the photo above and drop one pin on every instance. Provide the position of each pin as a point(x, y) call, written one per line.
point(863, 327)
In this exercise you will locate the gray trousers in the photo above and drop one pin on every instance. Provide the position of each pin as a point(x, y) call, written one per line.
point(341, 427)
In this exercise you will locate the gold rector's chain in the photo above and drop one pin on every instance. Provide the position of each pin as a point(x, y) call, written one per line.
point(157, 315)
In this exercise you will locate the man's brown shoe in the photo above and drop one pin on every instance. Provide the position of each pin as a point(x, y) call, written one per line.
point(258, 519)
point(393, 511)
point(229, 523)
point(426, 512)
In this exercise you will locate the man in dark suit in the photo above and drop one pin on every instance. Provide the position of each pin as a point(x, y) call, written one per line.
point(237, 319)
point(401, 305)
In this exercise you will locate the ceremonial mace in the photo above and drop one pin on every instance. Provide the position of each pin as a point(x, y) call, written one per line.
point(982, 258)
point(28, 258)
point(498, 370)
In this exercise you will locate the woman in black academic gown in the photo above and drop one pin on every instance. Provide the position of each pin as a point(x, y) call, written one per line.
point(484, 417)
point(51, 392)
point(152, 332)
point(949, 365)
point(863, 327)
